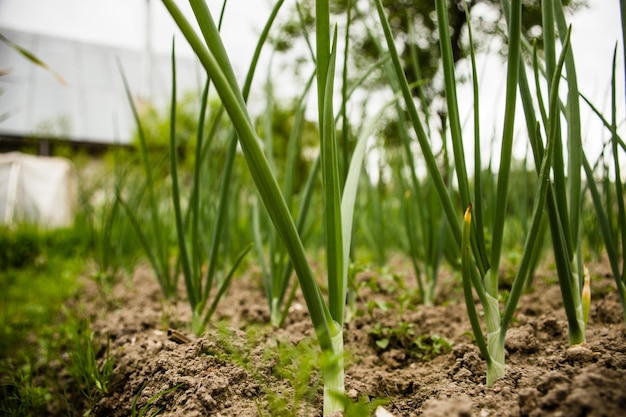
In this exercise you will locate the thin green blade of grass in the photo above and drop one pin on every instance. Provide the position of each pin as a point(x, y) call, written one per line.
point(622, 10)
point(326, 56)
point(540, 100)
point(220, 218)
point(558, 225)
point(527, 100)
point(574, 155)
point(427, 247)
point(348, 198)
point(322, 55)
point(605, 122)
point(414, 247)
point(276, 250)
point(564, 243)
point(305, 205)
point(281, 280)
point(212, 38)
point(418, 72)
point(337, 282)
point(267, 122)
point(571, 297)
point(276, 285)
point(143, 238)
point(276, 276)
point(307, 38)
point(266, 275)
point(32, 58)
point(194, 205)
point(294, 142)
point(410, 225)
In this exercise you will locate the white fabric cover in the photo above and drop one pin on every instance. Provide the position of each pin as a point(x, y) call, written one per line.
point(36, 189)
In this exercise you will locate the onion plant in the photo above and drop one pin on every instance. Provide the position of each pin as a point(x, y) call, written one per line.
point(115, 246)
point(481, 261)
point(564, 197)
point(614, 236)
point(277, 269)
point(197, 255)
point(191, 251)
point(492, 349)
point(425, 225)
point(155, 239)
point(328, 317)
point(426, 234)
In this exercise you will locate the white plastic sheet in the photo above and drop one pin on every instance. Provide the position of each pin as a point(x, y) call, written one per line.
point(36, 189)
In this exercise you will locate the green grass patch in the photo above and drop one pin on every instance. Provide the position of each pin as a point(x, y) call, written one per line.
point(38, 277)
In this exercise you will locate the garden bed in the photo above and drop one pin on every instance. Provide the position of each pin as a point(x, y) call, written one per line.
point(243, 367)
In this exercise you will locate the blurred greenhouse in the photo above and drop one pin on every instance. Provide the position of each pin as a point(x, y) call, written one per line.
point(80, 98)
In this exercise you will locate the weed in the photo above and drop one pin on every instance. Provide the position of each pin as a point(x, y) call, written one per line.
point(93, 375)
point(21, 396)
point(31, 297)
point(403, 337)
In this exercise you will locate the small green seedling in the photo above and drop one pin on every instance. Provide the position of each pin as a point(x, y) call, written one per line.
point(403, 337)
point(93, 375)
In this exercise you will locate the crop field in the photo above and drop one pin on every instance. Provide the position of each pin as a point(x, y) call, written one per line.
point(321, 258)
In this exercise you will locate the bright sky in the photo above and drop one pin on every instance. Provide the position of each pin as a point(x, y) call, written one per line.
point(123, 23)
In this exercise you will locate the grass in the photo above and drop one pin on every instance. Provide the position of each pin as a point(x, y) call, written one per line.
point(40, 278)
point(93, 376)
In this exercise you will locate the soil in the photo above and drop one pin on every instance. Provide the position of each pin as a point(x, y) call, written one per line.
point(235, 370)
